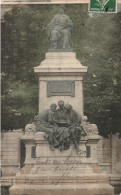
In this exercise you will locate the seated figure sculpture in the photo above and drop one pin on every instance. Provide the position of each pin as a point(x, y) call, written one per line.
point(59, 30)
point(61, 126)
point(74, 125)
point(62, 132)
point(45, 123)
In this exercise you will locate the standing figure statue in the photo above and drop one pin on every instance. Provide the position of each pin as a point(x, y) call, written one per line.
point(59, 31)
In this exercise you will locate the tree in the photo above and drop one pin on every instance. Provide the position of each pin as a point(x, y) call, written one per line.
point(103, 82)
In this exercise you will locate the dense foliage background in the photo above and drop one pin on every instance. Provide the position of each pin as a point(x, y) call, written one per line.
point(97, 43)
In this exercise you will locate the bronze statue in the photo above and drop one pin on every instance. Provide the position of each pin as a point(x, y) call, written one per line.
point(74, 125)
point(59, 30)
point(61, 112)
point(45, 123)
point(62, 132)
point(61, 126)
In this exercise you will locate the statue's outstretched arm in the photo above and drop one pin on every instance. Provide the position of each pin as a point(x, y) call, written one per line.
point(52, 23)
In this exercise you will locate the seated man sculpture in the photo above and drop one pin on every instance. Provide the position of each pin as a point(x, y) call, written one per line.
point(45, 123)
point(62, 132)
point(59, 30)
point(74, 121)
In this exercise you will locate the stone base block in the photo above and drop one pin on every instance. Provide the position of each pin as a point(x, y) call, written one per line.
point(7, 181)
point(43, 150)
point(61, 66)
point(80, 189)
point(30, 179)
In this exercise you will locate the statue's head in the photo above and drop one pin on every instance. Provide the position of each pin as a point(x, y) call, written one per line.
point(61, 103)
point(62, 9)
point(68, 107)
point(53, 107)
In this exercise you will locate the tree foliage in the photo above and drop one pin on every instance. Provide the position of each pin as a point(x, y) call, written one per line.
point(97, 43)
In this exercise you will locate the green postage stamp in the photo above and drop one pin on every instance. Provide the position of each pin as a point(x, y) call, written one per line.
point(102, 6)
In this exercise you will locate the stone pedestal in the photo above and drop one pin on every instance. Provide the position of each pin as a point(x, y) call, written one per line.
point(60, 78)
point(61, 172)
point(69, 171)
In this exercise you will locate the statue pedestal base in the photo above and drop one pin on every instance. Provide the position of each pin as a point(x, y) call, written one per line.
point(61, 172)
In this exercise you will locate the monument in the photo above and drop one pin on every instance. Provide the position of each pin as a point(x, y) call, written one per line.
point(61, 156)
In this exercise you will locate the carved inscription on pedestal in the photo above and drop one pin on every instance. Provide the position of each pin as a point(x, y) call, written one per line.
point(60, 88)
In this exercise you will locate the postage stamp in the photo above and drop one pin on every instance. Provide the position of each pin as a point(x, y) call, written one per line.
point(102, 6)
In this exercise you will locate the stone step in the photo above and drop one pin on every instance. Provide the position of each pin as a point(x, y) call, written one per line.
point(30, 179)
point(77, 189)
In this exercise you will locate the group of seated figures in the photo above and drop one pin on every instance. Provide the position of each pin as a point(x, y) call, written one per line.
point(61, 126)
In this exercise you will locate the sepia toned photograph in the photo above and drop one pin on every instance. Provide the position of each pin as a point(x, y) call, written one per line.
point(61, 98)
